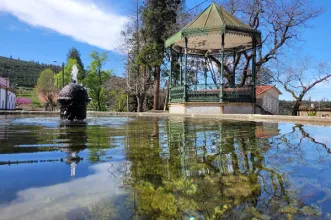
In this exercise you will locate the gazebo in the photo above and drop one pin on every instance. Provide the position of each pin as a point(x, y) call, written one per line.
point(218, 33)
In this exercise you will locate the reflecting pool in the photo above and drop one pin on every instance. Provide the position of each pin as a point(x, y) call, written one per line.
point(163, 168)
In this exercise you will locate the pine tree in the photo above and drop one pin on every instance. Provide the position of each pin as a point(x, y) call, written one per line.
point(75, 54)
point(159, 19)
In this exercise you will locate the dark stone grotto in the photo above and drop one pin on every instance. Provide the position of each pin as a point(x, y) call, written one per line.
point(73, 99)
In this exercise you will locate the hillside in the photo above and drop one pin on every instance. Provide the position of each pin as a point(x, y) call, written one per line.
point(23, 73)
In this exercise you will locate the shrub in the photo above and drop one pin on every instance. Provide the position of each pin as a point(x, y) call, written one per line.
point(23, 101)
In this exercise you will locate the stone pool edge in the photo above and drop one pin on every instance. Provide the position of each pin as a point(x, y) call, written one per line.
point(241, 117)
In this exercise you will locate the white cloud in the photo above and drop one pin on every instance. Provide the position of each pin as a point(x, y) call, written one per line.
point(82, 20)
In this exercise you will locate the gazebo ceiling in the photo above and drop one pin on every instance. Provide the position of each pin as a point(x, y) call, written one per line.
point(212, 43)
point(204, 33)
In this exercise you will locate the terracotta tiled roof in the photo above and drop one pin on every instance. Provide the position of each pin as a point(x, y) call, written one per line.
point(266, 133)
point(262, 89)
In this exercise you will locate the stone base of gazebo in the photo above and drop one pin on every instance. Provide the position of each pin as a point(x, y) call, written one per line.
point(212, 108)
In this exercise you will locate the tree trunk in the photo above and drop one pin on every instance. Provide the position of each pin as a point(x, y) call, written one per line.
point(296, 107)
point(145, 104)
point(127, 103)
point(138, 103)
point(156, 87)
point(99, 101)
point(99, 89)
point(167, 97)
point(140, 99)
point(156, 132)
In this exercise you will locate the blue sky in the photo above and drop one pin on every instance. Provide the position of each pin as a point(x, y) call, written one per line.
point(44, 31)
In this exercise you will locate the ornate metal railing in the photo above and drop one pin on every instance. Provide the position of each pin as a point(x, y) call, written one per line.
point(177, 94)
point(211, 93)
point(238, 94)
point(203, 93)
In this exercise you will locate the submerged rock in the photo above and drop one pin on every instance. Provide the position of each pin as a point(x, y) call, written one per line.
point(240, 186)
point(310, 211)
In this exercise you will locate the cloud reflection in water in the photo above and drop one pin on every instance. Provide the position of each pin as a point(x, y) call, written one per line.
point(57, 200)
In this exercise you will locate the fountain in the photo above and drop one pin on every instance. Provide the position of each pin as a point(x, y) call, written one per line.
point(73, 99)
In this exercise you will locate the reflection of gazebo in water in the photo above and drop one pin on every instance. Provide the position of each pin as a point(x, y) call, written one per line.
point(218, 33)
point(229, 152)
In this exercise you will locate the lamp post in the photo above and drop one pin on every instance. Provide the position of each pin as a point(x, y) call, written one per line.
point(62, 72)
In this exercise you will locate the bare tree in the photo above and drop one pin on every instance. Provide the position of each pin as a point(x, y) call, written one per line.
point(279, 21)
point(138, 76)
point(300, 78)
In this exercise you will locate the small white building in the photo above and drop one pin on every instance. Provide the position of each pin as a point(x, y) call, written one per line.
point(267, 99)
point(7, 95)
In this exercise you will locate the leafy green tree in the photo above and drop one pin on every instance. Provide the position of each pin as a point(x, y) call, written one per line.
point(118, 100)
point(67, 73)
point(75, 54)
point(95, 81)
point(120, 97)
point(159, 21)
point(45, 87)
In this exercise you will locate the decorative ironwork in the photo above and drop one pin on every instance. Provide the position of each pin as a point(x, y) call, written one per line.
point(203, 93)
point(238, 94)
point(211, 93)
point(177, 94)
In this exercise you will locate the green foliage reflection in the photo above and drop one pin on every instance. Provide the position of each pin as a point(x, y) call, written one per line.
point(208, 170)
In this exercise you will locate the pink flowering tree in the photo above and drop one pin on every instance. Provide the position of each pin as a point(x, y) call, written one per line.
point(23, 101)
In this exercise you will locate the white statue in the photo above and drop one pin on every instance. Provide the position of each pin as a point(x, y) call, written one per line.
point(74, 73)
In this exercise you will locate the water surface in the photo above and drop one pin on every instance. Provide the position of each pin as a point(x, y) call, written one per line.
point(160, 168)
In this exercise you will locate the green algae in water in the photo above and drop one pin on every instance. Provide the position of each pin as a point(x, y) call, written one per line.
point(150, 168)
